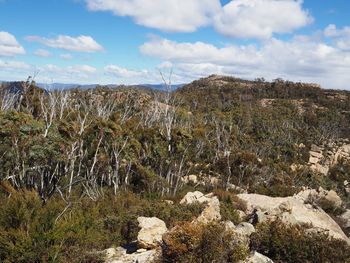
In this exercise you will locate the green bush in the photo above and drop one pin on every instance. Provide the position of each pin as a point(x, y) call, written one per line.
point(33, 232)
point(292, 243)
point(201, 244)
point(329, 207)
point(229, 204)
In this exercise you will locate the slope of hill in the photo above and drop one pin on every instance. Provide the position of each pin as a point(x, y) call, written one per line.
point(79, 166)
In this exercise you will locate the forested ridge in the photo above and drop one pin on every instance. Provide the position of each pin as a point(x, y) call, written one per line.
point(78, 166)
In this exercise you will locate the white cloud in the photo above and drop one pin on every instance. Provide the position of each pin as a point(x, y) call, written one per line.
point(165, 15)
point(82, 68)
point(120, 72)
point(14, 65)
point(9, 45)
point(340, 36)
point(43, 53)
point(238, 18)
point(261, 18)
point(165, 65)
point(71, 74)
point(66, 56)
point(300, 59)
point(15, 70)
point(199, 52)
point(18, 70)
point(76, 69)
point(80, 43)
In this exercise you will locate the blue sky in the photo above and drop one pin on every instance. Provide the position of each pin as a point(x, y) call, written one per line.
point(129, 41)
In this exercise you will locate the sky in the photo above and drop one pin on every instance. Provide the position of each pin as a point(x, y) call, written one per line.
point(132, 41)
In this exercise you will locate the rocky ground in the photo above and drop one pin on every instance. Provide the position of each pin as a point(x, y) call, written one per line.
point(299, 209)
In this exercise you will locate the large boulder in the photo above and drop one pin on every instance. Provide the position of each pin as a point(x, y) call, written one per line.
point(312, 195)
point(291, 210)
point(194, 197)
point(212, 210)
point(242, 233)
point(346, 218)
point(256, 257)
point(334, 198)
point(245, 229)
point(193, 179)
point(120, 255)
point(229, 226)
point(152, 230)
point(321, 161)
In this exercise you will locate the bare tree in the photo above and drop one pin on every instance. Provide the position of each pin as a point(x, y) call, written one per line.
point(152, 114)
point(169, 109)
point(63, 100)
point(48, 105)
point(8, 100)
point(106, 107)
point(117, 150)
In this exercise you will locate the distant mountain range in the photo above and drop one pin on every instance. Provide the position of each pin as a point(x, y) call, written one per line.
point(91, 86)
point(161, 86)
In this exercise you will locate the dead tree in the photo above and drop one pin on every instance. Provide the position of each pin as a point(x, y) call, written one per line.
point(48, 104)
point(116, 154)
point(169, 110)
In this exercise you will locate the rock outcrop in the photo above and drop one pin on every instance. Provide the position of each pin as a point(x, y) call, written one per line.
point(322, 158)
point(346, 218)
point(256, 257)
point(312, 195)
point(291, 210)
point(295, 209)
point(152, 230)
point(242, 233)
point(209, 180)
point(211, 212)
point(120, 255)
point(149, 240)
point(194, 197)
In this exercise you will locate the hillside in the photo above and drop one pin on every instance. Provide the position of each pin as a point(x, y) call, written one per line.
point(80, 167)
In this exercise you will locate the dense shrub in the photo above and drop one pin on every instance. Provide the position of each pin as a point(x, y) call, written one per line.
point(287, 243)
point(280, 185)
point(33, 232)
point(201, 244)
point(229, 204)
point(329, 207)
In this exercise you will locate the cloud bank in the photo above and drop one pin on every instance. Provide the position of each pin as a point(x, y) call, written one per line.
point(9, 46)
point(238, 18)
point(79, 44)
point(301, 59)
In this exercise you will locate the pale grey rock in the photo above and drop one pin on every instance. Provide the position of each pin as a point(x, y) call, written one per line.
point(312, 195)
point(119, 255)
point(300, 213)
point(242, 215)
point(256, 257)
point(211, 212)
point(321, 162)
point(245, 229)
point(346, 218)
point(152, 230)
point(229, 226)
point(242, 233)
point(194, 197)
point(334, 198)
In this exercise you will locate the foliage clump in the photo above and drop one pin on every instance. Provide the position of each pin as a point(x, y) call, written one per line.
point(293, 243)
point(55, 232)
point(197, 243)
